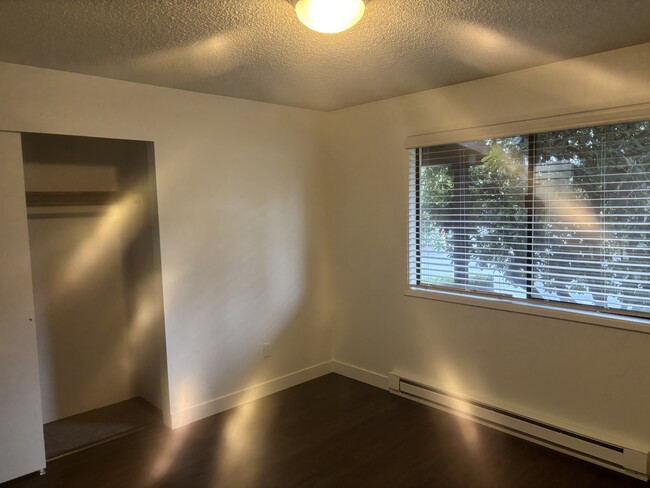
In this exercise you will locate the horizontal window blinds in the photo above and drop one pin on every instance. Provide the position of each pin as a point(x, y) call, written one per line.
point(592, 216)
point(562, 216)
point(471, 230)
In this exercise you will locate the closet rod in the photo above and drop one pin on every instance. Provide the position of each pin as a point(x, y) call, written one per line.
point(71, 198)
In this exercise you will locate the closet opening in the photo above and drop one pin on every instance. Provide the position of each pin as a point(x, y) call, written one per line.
point(95, 255)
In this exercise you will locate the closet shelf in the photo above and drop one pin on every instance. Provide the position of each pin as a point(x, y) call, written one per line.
point(72, 198)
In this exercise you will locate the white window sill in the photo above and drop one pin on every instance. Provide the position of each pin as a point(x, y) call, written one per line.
point(600, 319)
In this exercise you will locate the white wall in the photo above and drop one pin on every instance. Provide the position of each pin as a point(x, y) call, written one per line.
point(241, 220)
point(595, 378)
point(81, 327)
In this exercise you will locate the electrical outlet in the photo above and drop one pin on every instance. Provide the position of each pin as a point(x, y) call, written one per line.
point(266, 348)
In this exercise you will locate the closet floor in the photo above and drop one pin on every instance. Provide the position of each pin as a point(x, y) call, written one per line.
point(97, 426)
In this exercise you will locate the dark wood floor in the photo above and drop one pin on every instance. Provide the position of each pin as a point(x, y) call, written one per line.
point(329, 432)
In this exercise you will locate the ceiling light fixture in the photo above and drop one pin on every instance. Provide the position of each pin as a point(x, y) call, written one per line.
point(329, 16)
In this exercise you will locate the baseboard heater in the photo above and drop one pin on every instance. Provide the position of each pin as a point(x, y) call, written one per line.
point(631, 461)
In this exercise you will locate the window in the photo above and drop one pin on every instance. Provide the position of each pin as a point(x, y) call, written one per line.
point(560, 216)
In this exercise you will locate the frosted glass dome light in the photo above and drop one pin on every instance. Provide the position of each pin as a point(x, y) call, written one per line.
point(329, 16)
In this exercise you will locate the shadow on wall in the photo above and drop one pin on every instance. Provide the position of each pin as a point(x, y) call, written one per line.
point(241, 248)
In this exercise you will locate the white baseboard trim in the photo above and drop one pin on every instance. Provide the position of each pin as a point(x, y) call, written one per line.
point(220, 404)
point(360, 374)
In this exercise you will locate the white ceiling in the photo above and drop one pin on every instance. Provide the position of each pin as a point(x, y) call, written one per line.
point(257, 49)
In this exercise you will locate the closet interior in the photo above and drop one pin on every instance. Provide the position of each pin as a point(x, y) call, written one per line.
point(95, 254)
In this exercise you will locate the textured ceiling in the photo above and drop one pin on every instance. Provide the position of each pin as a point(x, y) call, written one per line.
point(257, 49)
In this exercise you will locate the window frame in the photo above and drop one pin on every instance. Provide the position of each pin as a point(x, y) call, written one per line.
point(637, 322)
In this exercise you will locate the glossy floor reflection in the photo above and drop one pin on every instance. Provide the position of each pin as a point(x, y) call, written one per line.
point(329, 432)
